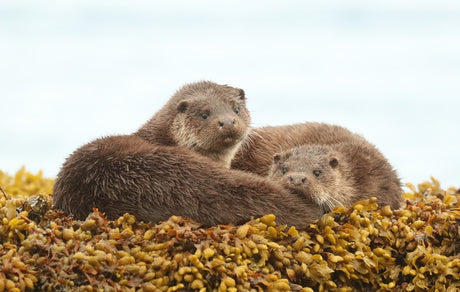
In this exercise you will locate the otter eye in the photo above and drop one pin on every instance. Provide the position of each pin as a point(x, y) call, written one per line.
point(317, 172)
point(284, 170)
point(237, 110)
point(204, 116)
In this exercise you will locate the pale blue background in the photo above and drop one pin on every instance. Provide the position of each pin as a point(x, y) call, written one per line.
point(72, 71)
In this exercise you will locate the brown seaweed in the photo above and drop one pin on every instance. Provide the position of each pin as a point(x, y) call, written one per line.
point(364, 247)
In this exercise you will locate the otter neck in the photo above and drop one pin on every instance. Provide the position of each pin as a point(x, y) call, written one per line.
point(155, 135)
point(223, 157)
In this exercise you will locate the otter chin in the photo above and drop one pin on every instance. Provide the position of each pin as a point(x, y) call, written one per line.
point(337, 174)
point(231, 139)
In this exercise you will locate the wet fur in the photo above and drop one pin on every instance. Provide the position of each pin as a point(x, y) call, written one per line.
point(257, 151)
point(338, 174)
point(120, 174)
point(154, 173)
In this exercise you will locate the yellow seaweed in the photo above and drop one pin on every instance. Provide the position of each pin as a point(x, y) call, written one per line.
point(359, 248)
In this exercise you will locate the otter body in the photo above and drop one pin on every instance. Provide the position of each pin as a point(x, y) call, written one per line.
point(256, 153)
point(337, 174)
point(126, 174)
point(177, 164)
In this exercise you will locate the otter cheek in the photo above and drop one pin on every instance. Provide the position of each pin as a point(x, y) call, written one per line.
point(313, 193)
point(284, 181)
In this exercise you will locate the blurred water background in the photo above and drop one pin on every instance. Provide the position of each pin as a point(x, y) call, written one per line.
point(73, 71)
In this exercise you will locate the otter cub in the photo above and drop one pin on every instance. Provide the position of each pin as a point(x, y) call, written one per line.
point(205, 117)
point(177, 164)
point(337, 174)
point(256, 153)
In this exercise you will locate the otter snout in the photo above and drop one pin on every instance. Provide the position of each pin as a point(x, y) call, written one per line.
point(226, 122)
point(297, 179)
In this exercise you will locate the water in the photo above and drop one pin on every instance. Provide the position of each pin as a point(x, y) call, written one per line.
point(74, 71)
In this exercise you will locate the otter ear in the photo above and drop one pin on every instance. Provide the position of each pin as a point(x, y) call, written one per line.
point(182, 106)
point(333, 162)
point(276, 158)
point(242, 94)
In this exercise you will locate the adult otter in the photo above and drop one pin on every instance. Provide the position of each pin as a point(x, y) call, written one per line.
point(256, 153)
point(138, 174)
point(337, 174)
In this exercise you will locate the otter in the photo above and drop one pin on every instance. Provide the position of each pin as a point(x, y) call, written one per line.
point(337, 174)
point(205, 117)
point(256, 152)
point(177, 164)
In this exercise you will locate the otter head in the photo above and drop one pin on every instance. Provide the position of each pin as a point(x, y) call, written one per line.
point(211, 119)
point(313, 172)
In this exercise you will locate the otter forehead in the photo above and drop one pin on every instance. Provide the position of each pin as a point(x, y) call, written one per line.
point(305, 163)
point(307, 157)
point(207, 89)
point(218, 103)
point(312, 150)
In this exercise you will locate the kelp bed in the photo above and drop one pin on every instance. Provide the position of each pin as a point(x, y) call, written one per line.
point(363, 248)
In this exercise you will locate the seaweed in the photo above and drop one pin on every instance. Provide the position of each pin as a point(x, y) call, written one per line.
point(365, 247)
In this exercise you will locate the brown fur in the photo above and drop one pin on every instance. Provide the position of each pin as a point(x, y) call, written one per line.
point(338, 174)
point(156, 173)
point(206, 117)
point(256, 153)
point(120, 174)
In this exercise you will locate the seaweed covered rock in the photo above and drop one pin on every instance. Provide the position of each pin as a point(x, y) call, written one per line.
point(361, 248)
point(24, 183)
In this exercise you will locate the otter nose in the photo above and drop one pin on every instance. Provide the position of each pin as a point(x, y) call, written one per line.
point(226, 122)
point(297, 179)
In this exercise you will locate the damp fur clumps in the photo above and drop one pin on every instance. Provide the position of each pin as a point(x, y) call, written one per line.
point(364, 248)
